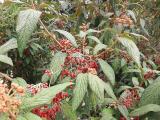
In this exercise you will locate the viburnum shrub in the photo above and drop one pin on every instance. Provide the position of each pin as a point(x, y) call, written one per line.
point(81, 60)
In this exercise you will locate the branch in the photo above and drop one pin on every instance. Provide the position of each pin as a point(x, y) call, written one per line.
point(5, 76)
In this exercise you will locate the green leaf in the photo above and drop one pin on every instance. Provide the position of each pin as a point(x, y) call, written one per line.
point(20, 81)
point(131, 13)
point(11, 44)
point(69, 36)
point(109, 90)
point(31, 116)
point(142, 23)
point(135, 81)
point(151, 94)
point(26, 23)
point(108, 71)
point(6, 59)
point(94, 38)
point(56, 65)
point(4, 116)
point(107, 114)
point(68, 112)
point(98, 48)
point(131, 48)
point(44, 96)
point(123, 111)
point(45, 78)
point(20, 117)
point(145, 109)
point(80, 90)
point(96, 85)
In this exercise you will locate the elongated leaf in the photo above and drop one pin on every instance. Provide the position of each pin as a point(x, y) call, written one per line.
point(43, 97)
point(94, 38)
point(80, 90)
point(11, 44)
point(109, 90)
point(151, 94)
point(56, 64)
point(96, 85)
point(131, 13)
point(99, 47)
point(123, 111)
point(69, 36)
point(142, 23)
point(145, 109)
point(6, 59)
point(108, 71)
point(131, 48)
point(26, 23)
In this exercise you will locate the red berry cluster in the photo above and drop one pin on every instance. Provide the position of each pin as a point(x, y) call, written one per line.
point(48, 73)
point(132, 97)
point(75, 65)
point(33, 89)
point(49, 112)
point(148, 75)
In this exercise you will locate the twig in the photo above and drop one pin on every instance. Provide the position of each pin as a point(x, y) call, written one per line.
point(5, 76)
point(50, 34)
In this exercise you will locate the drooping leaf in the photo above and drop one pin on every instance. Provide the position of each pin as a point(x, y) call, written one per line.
point(123, 111)
point(80, 90)
point(151, 94)
point(56, 65)
point(108, 71)
point(96, 85)
point(131, 48)
point(94, 39)
point(142, 23)
point(26, 23)
point(99, 47)
point(109, 90)
point(44, 96)
point(69, 36)
point(145, 109)
point(11, 44)
point(68, 112)
point(6, 59)
point(131, 13)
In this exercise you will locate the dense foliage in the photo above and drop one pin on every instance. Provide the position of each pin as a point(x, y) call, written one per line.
point(79, 60)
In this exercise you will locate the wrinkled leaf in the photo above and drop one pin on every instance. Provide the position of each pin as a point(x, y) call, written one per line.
point(69, 36)
point(79, 90)
point(6, 59)
point(98, 48)
point(108, 71)
point(96, 85)
point(44, 96)
point(26, 23)
point(145, 109)
point(131, 48)
point(11, 44)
